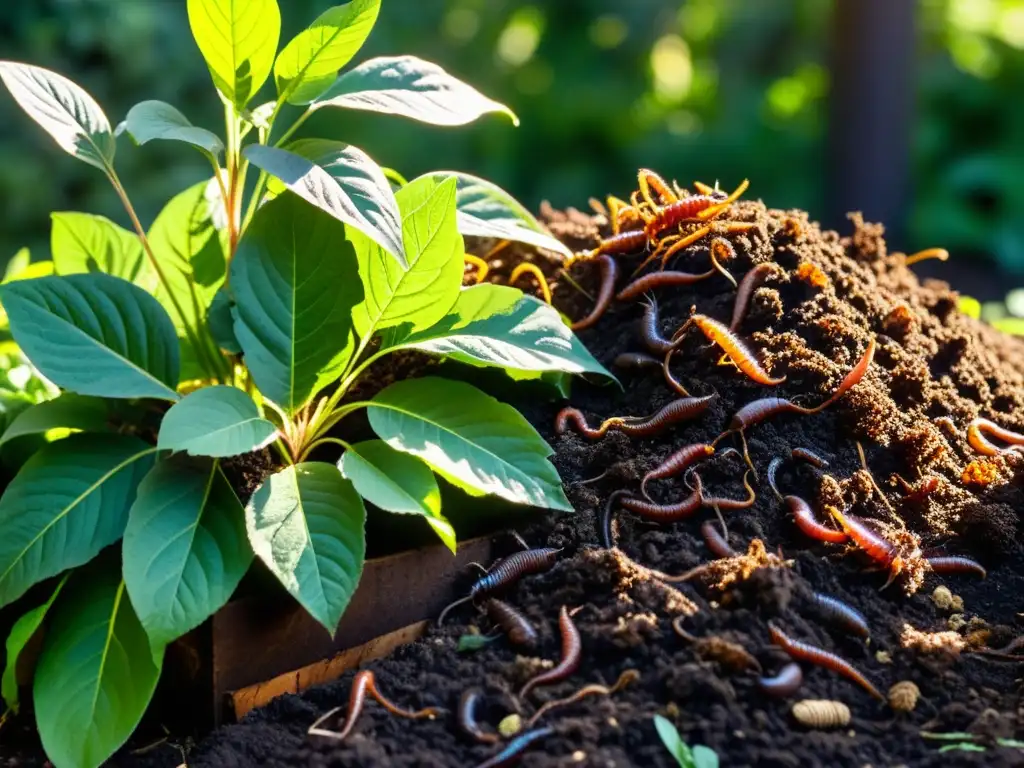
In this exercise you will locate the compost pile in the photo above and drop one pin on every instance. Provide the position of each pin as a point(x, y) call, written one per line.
point(933, 371)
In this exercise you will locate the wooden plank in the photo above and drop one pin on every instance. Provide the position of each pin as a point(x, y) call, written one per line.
point(324, 671)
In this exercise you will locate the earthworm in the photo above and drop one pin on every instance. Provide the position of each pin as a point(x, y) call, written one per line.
point(511, 754)
point(852, 378)
point(516, 626)
point(667, 279)
point(716, 542)
point(619, 244)
point(677, 462)
point(733, 346)
point(609, 272)
point(681, 409)
point(925, 488)
point(750, 283)
point(837, 612)
point(627, 677)
point(821, 713)
point(929, 253)
point(806, 454)
point(572, 654)
point(773, 469)
point(800, 651)
point(363, 683)
point(672, 381)
point(636, 360)
point(650, 333)
point(956, 564)
point(482, 266)
point(785, 683)
point(730, 504)
point(874, 545)
point(467, 718)
point(804, 518)
point(976, 437)
point(506, 571)
point(605, 521)
point(527, 267)
point(664, 513)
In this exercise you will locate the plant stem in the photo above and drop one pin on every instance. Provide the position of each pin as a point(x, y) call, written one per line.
point(201, 351)
point(323, 441)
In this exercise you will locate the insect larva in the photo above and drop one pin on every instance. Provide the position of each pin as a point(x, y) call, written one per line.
point(800, 651)
point(745, 292)
point(620, 244)
point(362, 684)
point(806, 454)
point(681, 409)
point(648, 180)
point(979, 427)
point(874, 545)
point(903, 696)
point(636, 361)
point(650, 333)
point(821, 713)
point(837, 612)
point(668, 279)
point(609, 273)
point(572, 654)
point(678, 462)
point(511, 754)
point(627, 677)
point(467, 721)
point(736, 349)
point(506, 571)
point(785, 683)
point(956, 564)
point(699, 207)
point(516, 626)
point(716, 541)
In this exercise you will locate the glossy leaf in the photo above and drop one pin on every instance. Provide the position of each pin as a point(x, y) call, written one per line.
point(82, 242)
point(151, 120)
point(486, 210)
point(215, 421)
point(238, 41)
point(306, 523)
point(341, 180)
point(95, 335)
point(185, 547)
point(410, 87)
point(186, 242)
point(294, 281)
point(63, 109)
point(68, 411)
point(96, 674)
point(221, 321)
point(469, 438)
point(529, 335)
point(307, 66)
point(69, 501)
point(21, 633)
point(396, 482)
point(419, 295)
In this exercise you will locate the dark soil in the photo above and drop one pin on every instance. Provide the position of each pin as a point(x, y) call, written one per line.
point(931, 362)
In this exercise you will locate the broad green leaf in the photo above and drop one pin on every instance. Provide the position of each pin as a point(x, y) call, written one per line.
point(185, 547)
point(294, 281)
point(410, 87)
point(187, 244)
point(419, 295)
point(22, 631)
point(486, 210)
point(469, 438)
point(396, 482)
point(528, 336)
point(18, 263)
point(673, 742)
point(307, 66)
point(306, 524)
point(82, 242)
point(221, 321)
point(238, 39)
point(341, 180)
point(31, 272)
point(149, 120)
point(69, 411)
point(95, 335)
point(67, 503)
point(64, 110)
point(96, 673)
point(704, 757)
point(215, 421)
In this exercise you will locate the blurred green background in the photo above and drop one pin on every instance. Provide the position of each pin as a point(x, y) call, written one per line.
point(708, 89)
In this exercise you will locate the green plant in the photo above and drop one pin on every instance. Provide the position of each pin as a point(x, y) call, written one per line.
point(963, 741)
point(697, 756)
point(254, 318)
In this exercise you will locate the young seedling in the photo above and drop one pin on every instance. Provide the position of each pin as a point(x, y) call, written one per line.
point(697, 756)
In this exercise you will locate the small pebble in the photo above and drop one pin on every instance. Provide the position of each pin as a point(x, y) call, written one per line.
point(883, 657)
point(510, 726)
point(579, 756)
